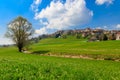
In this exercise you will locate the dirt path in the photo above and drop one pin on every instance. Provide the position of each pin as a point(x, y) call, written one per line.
point(80, 56)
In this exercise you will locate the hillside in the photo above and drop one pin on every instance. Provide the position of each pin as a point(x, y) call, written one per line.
point(18, 66)
point(76, 47)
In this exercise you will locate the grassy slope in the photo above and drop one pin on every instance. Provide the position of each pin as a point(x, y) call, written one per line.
point(72, 46)
point(15, 65)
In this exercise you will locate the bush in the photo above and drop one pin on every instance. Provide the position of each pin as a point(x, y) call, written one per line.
point(78, 36)
point(64, 36)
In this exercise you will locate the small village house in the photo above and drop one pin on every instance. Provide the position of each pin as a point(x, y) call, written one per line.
point(118, 36)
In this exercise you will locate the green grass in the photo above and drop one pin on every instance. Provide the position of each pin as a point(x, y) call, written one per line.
point(20, 66)
point(72, 46)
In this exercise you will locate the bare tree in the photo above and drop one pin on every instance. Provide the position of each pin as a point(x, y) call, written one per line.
point(20, 31)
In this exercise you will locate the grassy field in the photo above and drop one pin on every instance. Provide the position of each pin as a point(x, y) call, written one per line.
point(72, 46)
point(20, 66)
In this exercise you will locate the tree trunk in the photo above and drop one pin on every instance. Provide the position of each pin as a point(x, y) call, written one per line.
point(20, 49)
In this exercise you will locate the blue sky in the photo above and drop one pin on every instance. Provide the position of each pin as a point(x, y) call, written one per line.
point(105, 15)
point(48, 16)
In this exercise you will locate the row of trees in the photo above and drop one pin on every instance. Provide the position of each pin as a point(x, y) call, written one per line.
point(102, 37)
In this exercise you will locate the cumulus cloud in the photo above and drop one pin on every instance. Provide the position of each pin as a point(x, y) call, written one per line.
point(5, 41)
point(98, 27)
point(101, 2)
point(35, 5)
point(41, 31)
point(102, 27)
point(110, 27)
point(118, 26)
point(59, 15)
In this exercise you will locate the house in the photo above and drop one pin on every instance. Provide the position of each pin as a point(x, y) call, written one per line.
point(84, 34)
point(87, 30)
point(118, 36)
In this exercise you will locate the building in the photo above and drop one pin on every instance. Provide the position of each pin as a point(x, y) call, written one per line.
point(118, 36)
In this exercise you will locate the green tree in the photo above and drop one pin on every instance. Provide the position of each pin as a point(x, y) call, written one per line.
point(78, 36)
point(20, 31)
point(103, 37)
point(64, 36)
point(112, 36)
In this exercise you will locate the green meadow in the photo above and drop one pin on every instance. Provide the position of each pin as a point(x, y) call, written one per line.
point(76, 47)
point(23, 66)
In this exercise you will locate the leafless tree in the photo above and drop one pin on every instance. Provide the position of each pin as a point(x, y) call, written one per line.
point(20, 31)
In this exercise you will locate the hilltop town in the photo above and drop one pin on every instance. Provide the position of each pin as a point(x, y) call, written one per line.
point(88, 33)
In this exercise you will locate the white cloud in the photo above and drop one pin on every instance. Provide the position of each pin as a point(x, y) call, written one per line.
point(98, 27)
point(5, 41)
point(101, 2)
point(58, 16)
point(35, 5)
point(105, 27)
point(41, 31)
point(118, 26)
point(102, 27)
point(110, 27)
